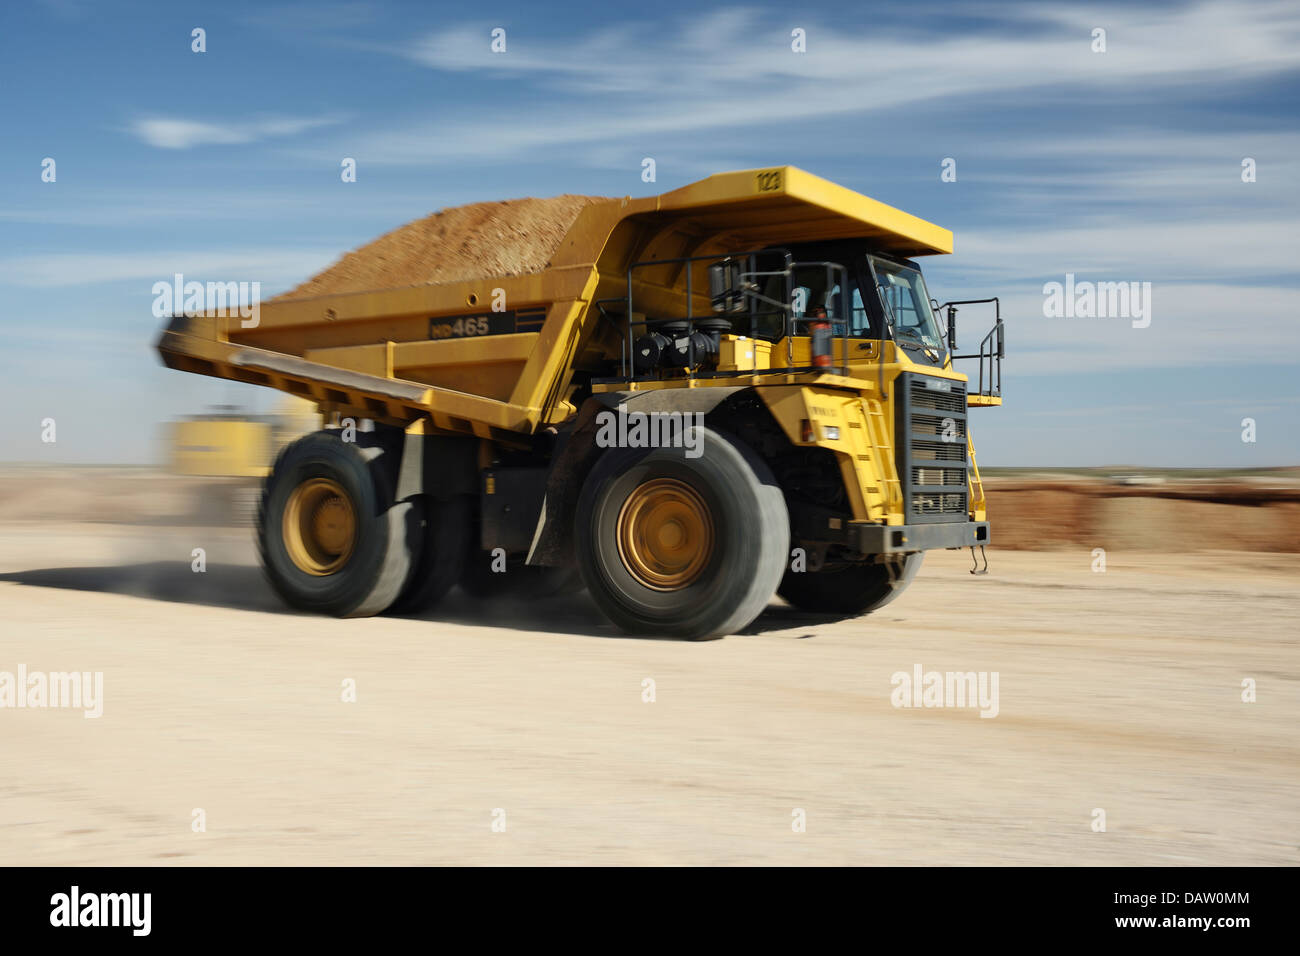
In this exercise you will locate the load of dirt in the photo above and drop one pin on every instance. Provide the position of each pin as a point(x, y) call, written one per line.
point(498, 239)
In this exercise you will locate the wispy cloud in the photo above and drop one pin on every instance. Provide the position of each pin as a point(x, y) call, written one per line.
point(1244, 248)
point(267, 265)
point(1027, 48)
point(68, 9)
point(314, 16)
point(177, 133)
point(1192, 324)
point(656, 75)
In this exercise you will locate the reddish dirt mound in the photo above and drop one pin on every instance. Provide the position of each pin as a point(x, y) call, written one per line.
point(1171, 518)
point(508, 238)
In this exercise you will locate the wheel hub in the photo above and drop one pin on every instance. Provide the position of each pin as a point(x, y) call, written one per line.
point(319, 527)
point(665, 534)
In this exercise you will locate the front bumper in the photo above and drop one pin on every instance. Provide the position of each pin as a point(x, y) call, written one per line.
point(895, 539)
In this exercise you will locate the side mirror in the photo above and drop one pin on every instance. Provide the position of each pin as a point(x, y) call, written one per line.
point(724, 286)
point(952, 328)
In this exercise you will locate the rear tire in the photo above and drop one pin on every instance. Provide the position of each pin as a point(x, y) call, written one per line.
point(329, 535)
point(445, 533)
point(851, 590)
point(687, 547)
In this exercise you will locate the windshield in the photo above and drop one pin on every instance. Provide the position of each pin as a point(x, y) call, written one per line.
point(908, 303)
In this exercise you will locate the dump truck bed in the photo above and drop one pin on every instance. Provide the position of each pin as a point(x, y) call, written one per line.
point(418, 351)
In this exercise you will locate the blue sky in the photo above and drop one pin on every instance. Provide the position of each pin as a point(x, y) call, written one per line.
point(1115, 166)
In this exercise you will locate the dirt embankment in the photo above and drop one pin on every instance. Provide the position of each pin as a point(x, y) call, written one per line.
point(508, 238)
point(1026, 515)
point(1171, 517)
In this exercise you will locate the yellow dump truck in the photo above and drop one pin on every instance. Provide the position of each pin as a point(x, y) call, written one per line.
point(221, 443)
point(689, 402)
point(229, 442)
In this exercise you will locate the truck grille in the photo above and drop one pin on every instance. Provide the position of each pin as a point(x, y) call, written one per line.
point(930, 441)
point(924, 397)
point(937, 476)
point(923, 504)
point(939, 450)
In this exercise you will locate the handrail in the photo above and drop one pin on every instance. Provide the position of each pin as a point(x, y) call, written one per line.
point(626, 353)
point(749, 290)
point(992, 348)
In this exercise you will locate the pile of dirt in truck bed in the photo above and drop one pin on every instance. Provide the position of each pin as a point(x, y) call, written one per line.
point(507, 238)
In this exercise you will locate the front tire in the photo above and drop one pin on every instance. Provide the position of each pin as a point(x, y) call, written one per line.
point(853, 589)
point(686, 547)
point(329, 535)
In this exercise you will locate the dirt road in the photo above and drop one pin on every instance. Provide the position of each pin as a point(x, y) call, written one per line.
point(1118, 691)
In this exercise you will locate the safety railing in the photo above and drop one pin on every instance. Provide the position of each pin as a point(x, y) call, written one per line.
point(742, 307)
point(991, 351)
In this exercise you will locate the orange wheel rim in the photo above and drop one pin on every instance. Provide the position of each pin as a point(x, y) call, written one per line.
point(319, 526)
point(665, 534)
